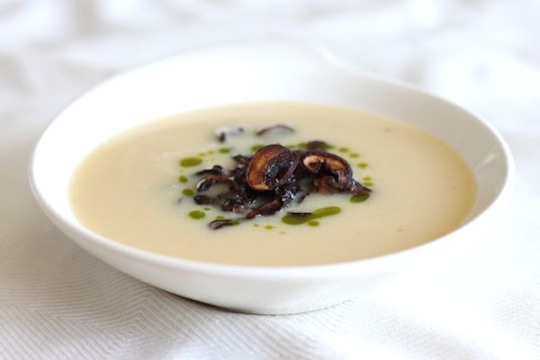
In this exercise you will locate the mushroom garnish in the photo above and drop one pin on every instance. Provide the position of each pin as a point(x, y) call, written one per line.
point(334, 173)
point(270, 167)
point(272, 178)
point(224, 132)
point(278, 129)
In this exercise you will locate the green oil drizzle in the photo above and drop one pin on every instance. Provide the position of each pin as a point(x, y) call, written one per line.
point(196, 214)
point(362, 165)
point(188, 192)
point(224, 150)
point(358, 198)
point(295, 219)
point(190, 161)
point(256, 147)
point(182, 179)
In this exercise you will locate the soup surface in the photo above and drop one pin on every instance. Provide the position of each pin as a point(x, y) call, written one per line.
point(137, 188)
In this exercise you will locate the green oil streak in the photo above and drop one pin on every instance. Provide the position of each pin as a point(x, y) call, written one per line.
point(362, 165)
point(256, 147)
point(269, 227)
point(196, 214)
point(182, 179)
point(292, 219)
point(224, 150)
point(358, 198)
point(188, 192)
point(190, 161)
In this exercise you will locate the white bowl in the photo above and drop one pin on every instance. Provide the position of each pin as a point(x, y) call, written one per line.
point(275, 70)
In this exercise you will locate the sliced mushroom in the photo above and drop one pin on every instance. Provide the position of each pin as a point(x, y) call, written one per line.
point(212, 180)
point(241, 159)
point(234, 204)
point(218, 224)
point(214, 170)
point(268, 208)
point(317, 145)
point(205, 199)
point(224, 132)
point(278, 129)
point(270, 167)
point(322, 161)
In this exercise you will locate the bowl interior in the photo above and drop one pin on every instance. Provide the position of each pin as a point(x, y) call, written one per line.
point(238, 74)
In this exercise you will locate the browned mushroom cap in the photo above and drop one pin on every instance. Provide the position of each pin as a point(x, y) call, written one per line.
point(317, 161)
point(270, 167)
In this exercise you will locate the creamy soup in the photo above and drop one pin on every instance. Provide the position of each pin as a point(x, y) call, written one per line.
point(138, 187)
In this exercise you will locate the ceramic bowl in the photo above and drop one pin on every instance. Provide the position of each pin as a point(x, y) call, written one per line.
point(277, 70)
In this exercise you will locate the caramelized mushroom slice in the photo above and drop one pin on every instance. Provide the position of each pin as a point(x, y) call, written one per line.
point(211, 180)
point(334, 174)
point(224, 132)
point(268, 208)
point(204, 200)
point(270, 167)
point(322, 161)
point(278, 129)
point(218, 224)
point(214, 170)
point(317, 145)
point(233, 204)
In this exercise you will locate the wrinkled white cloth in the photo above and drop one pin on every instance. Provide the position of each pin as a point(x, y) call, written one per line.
point(58, 302)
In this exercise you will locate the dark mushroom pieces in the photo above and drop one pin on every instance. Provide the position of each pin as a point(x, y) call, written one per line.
point(272, 178)
point(214, 170)
point(219, 223)
point(278, 129)
point(270, 167)
point(333, 173)
point(211, 180)
point(322, 161)
point(223, 133)
point(317, 145)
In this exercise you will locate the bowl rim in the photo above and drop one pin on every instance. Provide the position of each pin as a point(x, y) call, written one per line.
point(273, 272)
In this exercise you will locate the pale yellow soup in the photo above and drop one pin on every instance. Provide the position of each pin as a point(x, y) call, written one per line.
point(128, 189)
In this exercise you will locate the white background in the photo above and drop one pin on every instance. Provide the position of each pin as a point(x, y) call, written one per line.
point(58, 302)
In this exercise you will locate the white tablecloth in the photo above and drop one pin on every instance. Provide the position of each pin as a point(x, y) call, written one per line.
point(58, 302)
